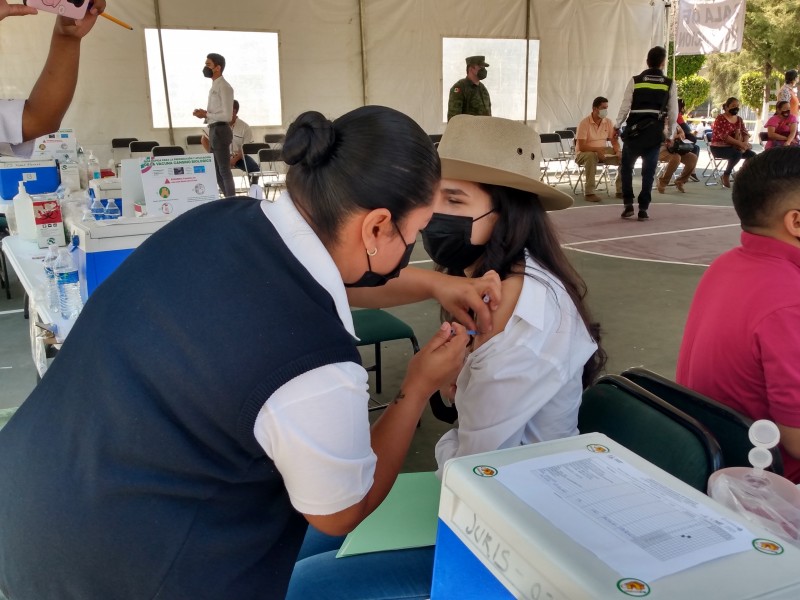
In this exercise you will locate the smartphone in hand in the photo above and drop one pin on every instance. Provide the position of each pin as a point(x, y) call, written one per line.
point(73, 9)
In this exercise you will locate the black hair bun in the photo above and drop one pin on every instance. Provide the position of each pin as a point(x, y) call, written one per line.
point(309, 140)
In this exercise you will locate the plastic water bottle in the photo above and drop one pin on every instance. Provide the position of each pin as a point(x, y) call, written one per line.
point(94, 166)
point(111, 211)
point(83, 170)
point(50, 277)
point(69, 287)
point(97, 209)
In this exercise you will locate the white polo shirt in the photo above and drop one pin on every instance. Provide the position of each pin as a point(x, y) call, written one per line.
point(316, 426)
point(11, 143)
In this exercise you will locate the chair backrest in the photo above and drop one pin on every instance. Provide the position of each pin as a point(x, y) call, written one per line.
point(435, 137)
point(762, 135)
point(567, 138)
point(254, 148)
point(551, 146)
point(138, 148)
point(194, 145)
point(274, 138)
point(120, 148)
point(652, 428)
point(572, 129)
point(168, 151)
point(269, 155)
point(727, 425)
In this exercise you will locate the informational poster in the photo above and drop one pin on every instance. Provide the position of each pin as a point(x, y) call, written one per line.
point(709, 27)
point(61, 146)
point(174, 184)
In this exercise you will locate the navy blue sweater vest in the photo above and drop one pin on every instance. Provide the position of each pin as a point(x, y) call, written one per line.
point(132, 471)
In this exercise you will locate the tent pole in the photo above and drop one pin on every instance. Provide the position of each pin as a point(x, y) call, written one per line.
point(674, 30)
point(157, 7)
point(527, 55)
point(363, 53)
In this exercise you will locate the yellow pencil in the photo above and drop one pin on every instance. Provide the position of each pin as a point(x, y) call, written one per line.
point(116, 20)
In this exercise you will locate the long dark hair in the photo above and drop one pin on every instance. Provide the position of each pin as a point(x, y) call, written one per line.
point(522, 224)
point(372, 157)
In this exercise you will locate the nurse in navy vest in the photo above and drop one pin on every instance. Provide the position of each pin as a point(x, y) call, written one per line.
point(210, 401)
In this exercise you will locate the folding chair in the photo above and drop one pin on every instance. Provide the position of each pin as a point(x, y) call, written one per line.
point(572, 129)
point(728, 426)
point(374, 326)
point(120, 148)
point(251, 150)
point(551, 155)
point(568, 152)
point(716, 166)
point(602, 177)
point(168, 151)
point(652, 428)
point(271, 179)
point(194, 145)
point(140, 149)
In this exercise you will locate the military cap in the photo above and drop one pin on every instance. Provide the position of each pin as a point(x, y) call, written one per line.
point(477, 60)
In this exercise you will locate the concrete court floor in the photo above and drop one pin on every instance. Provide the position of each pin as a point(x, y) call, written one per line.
point(642, 307)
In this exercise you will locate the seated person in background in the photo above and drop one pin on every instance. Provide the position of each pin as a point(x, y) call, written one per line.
point(688, 134)
point(729, 139)
point(675, 152)
point(742, 336)
point(242, 134)
point(781, 127)
point(594, 134)
point(522, 382)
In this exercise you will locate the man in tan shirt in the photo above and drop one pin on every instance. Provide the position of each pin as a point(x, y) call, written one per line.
point(596, 142)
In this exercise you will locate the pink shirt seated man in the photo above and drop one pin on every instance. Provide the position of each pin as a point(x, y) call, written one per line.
point(742, 336)
point(596, 142)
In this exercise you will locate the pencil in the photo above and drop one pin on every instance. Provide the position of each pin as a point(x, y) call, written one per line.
point(116, 20)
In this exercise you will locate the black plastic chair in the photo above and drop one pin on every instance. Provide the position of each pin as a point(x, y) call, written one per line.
point(120, 148)
point(436, 138)
point(138, 148)
point(727, 425)
point(652, 428)
point(168, 151)
point(274, 139)
point(271, 179)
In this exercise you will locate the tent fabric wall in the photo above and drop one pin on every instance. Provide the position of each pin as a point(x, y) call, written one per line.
point(588, 48)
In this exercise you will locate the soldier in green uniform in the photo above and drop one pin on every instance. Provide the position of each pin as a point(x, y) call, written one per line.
point(469, 96)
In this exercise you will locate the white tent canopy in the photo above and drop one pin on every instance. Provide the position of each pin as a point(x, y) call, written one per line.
point(336, 55)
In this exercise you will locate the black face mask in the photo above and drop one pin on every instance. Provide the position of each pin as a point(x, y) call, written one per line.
point(207, 72)
point(734, 111)
point(372, 279)
point(481, 74)
point(447, 241)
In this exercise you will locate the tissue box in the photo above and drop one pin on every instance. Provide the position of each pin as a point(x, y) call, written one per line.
point(40, 177)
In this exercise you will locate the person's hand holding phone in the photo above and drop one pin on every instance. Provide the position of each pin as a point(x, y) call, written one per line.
point(15, 10)
point(80, 27)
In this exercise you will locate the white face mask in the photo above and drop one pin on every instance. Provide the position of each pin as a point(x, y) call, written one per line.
point(603, 113)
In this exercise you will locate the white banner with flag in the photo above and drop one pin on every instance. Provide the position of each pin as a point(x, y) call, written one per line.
point(709, 27)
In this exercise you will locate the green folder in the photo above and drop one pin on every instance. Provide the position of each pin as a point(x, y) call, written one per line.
point(406, 519)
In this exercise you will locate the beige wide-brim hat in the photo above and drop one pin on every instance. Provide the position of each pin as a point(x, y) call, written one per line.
point(498, 152)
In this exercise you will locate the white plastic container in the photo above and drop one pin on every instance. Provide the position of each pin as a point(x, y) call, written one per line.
point(492, 544)
point(23, 211)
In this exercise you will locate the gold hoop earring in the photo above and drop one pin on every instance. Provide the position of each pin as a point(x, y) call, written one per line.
point(373, 253)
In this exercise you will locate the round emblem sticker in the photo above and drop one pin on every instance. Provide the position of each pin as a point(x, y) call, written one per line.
point(484, 471)
point(767, 546)
point(633, 587)
point(597, 449)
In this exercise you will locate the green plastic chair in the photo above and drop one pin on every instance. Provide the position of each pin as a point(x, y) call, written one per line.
point(727, 425)
point(374, 326)
point(652, 428)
